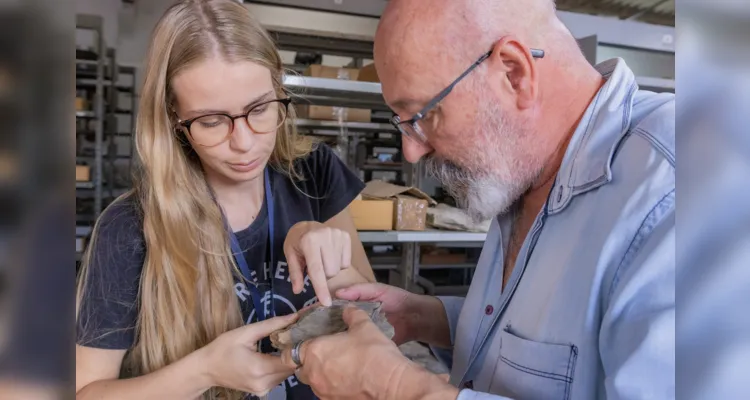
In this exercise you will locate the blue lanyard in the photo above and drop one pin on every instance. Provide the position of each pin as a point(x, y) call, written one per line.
point(239, 256)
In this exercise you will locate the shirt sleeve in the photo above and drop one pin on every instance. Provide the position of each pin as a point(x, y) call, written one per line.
point(452, 306)
point(637, 336)
point(108, 310)
point(336, 185)
point(467, 394)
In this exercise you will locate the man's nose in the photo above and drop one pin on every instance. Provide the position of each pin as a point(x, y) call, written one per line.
point(414, 150)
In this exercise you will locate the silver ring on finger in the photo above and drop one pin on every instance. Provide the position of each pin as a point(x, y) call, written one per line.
point(295, 354)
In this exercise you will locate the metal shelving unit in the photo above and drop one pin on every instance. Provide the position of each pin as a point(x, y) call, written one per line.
point(656, 84)
point(116, 184)
point(336, 92)
point(334, 127)
point(431, 236)
point(85, 185)
point(92, 83)
point(97, 126)
point(85, 114)
point(94, 23)
point(590, 47)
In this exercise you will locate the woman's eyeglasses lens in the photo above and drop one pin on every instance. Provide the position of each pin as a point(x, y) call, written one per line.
point(211, 130)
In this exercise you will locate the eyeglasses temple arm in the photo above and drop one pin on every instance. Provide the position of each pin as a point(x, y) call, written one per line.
point(536, 53)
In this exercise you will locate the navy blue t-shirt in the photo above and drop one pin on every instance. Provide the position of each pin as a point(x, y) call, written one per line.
point(110, 309)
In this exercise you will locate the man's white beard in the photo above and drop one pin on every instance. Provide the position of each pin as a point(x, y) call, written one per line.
point(500, 173)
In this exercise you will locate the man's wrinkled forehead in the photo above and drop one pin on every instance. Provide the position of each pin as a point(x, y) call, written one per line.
point(411, 87)
point(412, 75)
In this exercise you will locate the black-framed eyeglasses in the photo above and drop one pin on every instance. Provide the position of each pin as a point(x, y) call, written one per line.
point(213, 129)
point(412, 128)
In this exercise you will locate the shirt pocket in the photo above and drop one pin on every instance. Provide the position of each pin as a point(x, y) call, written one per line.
point(532, 370)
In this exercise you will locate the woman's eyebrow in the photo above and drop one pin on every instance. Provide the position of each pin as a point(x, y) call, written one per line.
point(253, 102)
point(266, 96)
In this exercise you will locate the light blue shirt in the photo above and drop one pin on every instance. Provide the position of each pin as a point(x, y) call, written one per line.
point(589, 309)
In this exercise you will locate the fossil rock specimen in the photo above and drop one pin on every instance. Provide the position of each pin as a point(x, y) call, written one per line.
point(319, 321)
point(421, 355)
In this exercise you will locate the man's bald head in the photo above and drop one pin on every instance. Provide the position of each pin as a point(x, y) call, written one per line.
point(457, 28)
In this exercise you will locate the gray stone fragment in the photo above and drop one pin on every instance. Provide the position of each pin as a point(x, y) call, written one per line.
point(421, 355)
point(319, 321)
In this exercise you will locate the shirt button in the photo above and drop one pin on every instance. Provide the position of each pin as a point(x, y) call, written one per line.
point(489, 309)
point(469, 385)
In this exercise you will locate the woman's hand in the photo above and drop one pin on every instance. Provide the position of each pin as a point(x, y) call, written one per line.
point(322, 250)
point(232, 360)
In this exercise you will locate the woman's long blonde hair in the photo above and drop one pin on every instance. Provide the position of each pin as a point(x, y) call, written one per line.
point(186, 296)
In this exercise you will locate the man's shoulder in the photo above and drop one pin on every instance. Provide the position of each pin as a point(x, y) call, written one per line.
point(646, 153)
point(653, 119)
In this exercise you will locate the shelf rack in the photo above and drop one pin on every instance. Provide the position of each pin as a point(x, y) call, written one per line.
point(428, 236)
point(334, 127)
point(336, 92)
point(656, 84)
point(95, 23)
point(103, 88)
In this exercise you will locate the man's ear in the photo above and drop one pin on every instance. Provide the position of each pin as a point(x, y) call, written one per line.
point(517, 70)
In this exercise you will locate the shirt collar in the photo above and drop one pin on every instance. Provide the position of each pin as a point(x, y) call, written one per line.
point(588, 158)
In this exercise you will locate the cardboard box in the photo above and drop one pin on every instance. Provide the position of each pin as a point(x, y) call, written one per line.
point(81, 104)
point(324, 71)
point(372, 215)
point(83, 173)
point(332, 113)
point(368, 73)
point(409, 204)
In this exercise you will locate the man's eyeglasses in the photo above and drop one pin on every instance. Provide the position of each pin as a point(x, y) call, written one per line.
point(214, 129)
point(412, 129)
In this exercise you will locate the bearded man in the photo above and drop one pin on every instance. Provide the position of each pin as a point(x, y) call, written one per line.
point(574, 293)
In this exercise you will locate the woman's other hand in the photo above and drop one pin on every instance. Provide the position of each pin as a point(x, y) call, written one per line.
point(233, 361)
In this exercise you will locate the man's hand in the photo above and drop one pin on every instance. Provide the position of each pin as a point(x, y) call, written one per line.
point(414, 317)
point(363, 364)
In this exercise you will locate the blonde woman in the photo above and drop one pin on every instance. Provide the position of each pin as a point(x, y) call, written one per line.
point(235, 223)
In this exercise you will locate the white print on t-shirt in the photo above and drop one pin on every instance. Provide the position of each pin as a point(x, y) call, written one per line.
point(266, 271)
point(281, 272)
point(310, 302)
point(241, 290)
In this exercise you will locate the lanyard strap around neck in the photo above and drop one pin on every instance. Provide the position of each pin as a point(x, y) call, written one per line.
point(239, 255)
